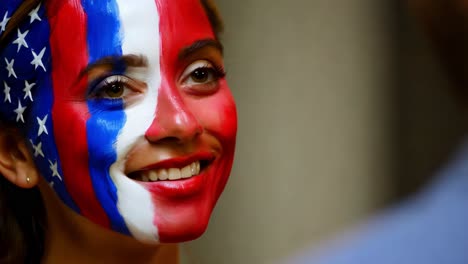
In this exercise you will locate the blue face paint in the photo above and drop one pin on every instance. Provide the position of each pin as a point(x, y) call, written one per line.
point(104, 40)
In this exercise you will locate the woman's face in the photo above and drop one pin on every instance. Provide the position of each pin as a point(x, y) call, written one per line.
point(130, 118)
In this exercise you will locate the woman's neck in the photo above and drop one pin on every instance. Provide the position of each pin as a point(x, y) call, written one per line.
point(71, 238)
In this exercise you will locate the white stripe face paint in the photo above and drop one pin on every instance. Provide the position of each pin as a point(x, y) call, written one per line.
point(140, 33)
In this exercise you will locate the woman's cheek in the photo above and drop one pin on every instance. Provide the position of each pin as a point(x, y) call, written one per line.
point(227, 121)
point(218, 115)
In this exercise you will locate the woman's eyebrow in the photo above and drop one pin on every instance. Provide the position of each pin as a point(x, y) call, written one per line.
point(119, 63)
point(198, 45)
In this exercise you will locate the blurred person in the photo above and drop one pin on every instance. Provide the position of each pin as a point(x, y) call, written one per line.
point(432, 226)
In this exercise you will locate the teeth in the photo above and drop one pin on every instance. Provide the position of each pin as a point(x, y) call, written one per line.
point(172, 173)
point(162, 175)
point(193, 168)
point(153, 176)
point(186, 172)
point(145, 178)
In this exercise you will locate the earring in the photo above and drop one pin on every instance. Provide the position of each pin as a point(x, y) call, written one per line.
point(28, 179)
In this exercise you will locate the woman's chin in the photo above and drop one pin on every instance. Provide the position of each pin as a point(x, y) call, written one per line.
point(183, 230)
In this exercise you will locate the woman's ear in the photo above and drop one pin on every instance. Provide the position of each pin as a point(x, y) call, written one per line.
point(16, 162)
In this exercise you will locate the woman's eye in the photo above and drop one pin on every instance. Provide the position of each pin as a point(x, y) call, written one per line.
point(202, 76)
point(114, 90)
point(114, 87)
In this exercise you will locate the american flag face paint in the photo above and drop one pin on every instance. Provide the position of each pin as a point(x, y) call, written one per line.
point(126, 109)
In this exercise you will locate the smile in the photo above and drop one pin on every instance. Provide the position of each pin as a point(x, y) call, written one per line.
point(171, 174)
point(174, 169)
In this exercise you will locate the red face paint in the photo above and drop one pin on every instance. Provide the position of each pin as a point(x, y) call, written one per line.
point(69, 115)
point(190, 126)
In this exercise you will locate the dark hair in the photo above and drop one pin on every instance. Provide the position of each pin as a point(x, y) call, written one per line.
point(446, 25)
point(213, 16)
point(22, 212)
point(22, 224)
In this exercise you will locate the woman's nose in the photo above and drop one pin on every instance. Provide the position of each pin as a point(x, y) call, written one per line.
point(173, 122)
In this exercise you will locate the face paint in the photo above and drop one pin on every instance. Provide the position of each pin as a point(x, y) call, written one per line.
point(115, 95)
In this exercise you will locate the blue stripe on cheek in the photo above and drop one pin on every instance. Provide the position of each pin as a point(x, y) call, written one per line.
point(107, 116)
point(106, 121)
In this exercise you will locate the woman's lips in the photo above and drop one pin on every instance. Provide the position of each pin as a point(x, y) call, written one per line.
point(168, 173)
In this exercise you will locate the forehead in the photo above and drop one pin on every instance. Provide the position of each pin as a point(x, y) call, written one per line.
point(111, 24)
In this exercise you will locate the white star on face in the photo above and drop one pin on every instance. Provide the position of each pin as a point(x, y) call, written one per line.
point(27, 90)
point(37, 149)
point(34, 15)
point(42, 127)
point(19, 112)
point(53, 168)
point(9, 67)
point(4, 22)
point(20, 41)
point(37, 61)
point(6, 91)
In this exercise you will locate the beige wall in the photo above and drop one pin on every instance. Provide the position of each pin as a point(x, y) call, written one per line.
point(311, 80)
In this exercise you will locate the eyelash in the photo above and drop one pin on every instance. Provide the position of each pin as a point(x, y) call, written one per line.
point(212, 73)
point(105, 83)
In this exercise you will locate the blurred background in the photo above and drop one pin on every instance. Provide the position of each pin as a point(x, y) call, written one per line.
point(343, 111)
